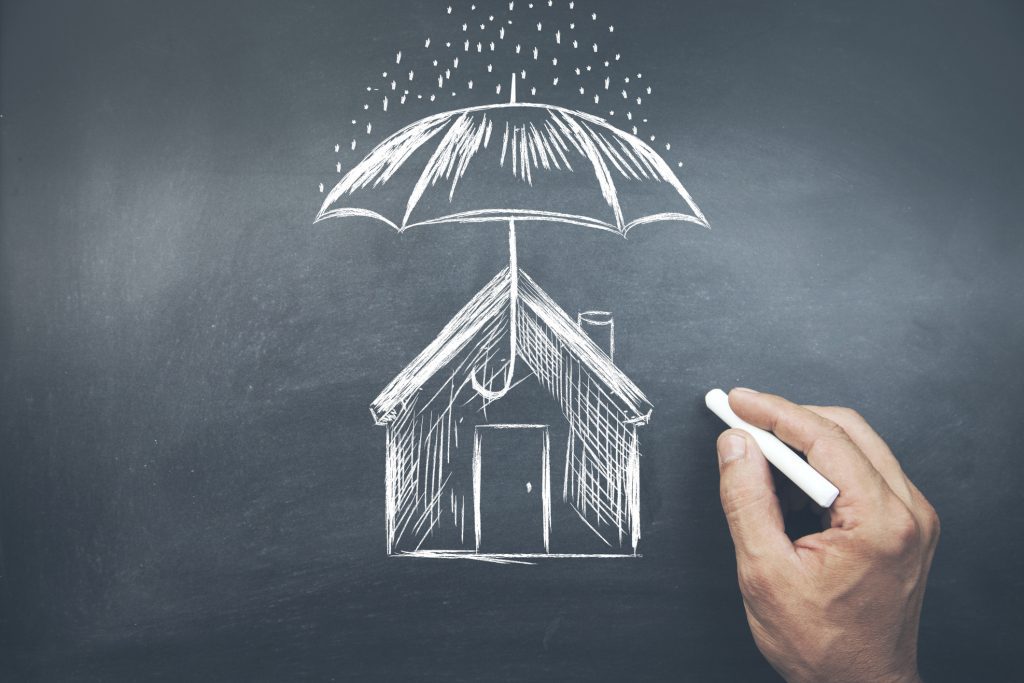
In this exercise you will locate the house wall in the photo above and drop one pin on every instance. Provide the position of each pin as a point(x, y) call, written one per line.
point(427, 479)
point(602, 477)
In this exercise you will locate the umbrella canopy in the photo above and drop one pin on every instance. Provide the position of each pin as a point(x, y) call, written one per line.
point(509, 162)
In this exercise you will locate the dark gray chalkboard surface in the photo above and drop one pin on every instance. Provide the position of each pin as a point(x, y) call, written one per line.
point(192, 486)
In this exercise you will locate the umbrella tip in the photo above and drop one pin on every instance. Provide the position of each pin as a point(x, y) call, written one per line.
point(512, 98)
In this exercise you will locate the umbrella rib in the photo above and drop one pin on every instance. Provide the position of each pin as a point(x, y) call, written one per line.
point(548, 146)
point(490, 126)
point(604, 177)
point(567, 133)
point(517, 154)
point(504, 146)
point(538, 141)
point(641, 163)
point(628, 159)
point(616, 160)
point(440, 156)
point(528, 156)
point(558, 144)
point(466, 151)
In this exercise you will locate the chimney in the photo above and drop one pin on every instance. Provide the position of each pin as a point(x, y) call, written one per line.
point(600, 327)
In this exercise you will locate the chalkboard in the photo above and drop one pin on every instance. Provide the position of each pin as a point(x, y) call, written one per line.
point(204, 387)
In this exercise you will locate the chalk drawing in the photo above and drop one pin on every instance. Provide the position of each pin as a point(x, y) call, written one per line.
point(435, 411)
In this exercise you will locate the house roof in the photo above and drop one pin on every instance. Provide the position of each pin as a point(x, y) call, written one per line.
point(488, 304)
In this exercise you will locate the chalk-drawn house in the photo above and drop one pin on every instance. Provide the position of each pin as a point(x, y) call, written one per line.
point(551, 468)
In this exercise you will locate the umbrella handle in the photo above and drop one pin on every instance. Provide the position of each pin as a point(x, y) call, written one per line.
point(513, 325)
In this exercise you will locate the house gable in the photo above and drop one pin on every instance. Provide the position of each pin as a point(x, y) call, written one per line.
point(478, 328)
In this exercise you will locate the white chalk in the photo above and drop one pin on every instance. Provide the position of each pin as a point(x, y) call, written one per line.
point(810, 481)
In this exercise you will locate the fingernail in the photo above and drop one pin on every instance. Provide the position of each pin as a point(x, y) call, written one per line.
point(733, 448)
point(745, 390)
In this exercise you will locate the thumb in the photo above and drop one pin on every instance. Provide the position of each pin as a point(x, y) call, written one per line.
point(749, 500)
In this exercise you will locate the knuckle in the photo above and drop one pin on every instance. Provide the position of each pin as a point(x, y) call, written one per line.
point(902, 534)
point(933, 526)
point(835, 430)
point(833, 439)
point(848, 415)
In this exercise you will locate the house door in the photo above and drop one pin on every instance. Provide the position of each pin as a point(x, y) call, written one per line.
point(512, 488)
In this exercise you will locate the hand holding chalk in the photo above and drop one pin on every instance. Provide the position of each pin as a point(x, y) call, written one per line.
point(821, 490)
point(862, 580)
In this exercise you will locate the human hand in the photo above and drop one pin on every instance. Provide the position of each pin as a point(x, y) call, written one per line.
point(843, 604)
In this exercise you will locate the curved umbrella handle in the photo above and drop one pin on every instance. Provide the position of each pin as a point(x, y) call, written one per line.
point(513, 325)
point(489, 395)
point(510, 369)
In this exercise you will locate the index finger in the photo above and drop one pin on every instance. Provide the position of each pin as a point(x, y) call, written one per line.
point(828, 448)
point(871, 445)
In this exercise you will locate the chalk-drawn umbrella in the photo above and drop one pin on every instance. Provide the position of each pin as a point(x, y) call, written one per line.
point(511, 162)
